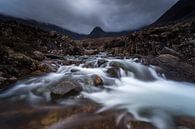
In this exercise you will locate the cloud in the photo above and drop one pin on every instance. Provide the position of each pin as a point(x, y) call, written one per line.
point(83, 15)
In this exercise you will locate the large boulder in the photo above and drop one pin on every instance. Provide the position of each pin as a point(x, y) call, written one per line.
point(65, 88)
point(174, 68)
point(170, 51)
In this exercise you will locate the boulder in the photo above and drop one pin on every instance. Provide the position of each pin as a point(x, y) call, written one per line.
point(174, 68)
point(101, 62)
point(114, 72)
point(65, 88)
point(170, 51)
point(97, 80)
point(132, 69)
point(165, 58)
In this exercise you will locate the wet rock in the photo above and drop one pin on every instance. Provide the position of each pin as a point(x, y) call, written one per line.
point(45, 67)
point(101, 62)
point(65, 88)
point(89, 64)
point(114, 72)
point(97, 80)
point(74, 70)
point(38, 55)
point(134, 70)
point(140, 125)
point(174, 68)
point(117, 64)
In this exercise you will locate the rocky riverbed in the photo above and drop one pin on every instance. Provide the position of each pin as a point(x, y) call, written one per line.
point(74, 96)
point(47, 80)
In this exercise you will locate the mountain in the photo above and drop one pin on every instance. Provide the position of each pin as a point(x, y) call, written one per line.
point(43, 26)
point(97, 32)
point(181, 11)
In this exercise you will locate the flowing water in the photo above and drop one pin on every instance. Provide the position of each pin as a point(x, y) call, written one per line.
point(136, 88)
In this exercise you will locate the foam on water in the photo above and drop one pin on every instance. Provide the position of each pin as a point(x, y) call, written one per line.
point(155, 101)
point(140, 90)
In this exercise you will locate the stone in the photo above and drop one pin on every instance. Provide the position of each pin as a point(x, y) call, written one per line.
point(97, 80)
point(65, 88)
point(141, 73)
point(170, 51)
point(117, 64)
point(165, 58)
point(114, 72)
point(46, 67)
point(89, 64)
point(38, 55)
point(174, 68)
point(101, 62)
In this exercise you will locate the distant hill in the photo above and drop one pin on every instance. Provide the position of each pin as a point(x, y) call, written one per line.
point(96, 33)
point(43, 26)
point(181, 11)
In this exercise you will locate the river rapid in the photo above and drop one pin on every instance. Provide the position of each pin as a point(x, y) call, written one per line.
point(130, 86)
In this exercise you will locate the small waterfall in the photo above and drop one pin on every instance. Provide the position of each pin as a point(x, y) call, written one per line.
point(144, 93)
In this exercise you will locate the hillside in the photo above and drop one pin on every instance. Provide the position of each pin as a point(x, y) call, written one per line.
point(183, 10)
point(23, 48)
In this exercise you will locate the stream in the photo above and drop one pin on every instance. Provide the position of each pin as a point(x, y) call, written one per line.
point(127, 85)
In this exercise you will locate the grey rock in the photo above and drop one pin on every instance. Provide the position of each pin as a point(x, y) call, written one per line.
point(65, 88)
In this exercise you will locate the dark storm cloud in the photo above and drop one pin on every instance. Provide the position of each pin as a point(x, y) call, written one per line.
point(83, 15)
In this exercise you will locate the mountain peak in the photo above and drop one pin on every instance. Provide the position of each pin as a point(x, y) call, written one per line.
point(97, 32)
point(97, 29)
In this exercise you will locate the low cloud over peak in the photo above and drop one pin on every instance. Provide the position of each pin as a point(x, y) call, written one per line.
point(83, 15)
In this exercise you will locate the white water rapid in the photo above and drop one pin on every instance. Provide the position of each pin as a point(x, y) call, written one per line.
point(147, 95)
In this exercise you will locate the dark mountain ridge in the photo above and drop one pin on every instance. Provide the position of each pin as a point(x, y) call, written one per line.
point(97, 32)
point(183, 10)
point(43, 26)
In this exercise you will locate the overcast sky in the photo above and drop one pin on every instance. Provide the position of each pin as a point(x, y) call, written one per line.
point(83, 15)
